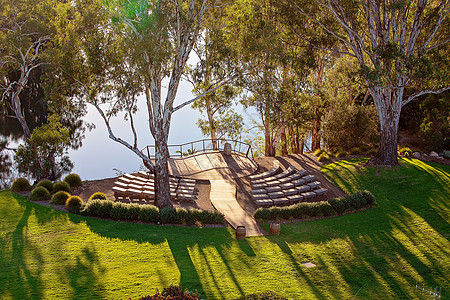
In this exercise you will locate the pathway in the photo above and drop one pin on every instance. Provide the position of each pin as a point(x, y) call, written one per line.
point(223, 198)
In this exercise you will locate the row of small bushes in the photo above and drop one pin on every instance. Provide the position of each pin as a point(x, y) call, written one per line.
point(149, 213)
point(70, 181)
point(306, 210)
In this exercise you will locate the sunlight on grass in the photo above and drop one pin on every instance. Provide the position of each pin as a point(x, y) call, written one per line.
point(380, 253)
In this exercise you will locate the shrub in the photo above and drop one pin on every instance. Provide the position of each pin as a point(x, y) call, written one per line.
point(262, 214)
point(47, 184)
point(370, 199)
point(61, 186)
point(446, 154)
point(124, 211)
point(372, 152)
point(169, 216)
point(40, 194)
point(98, 196)
point(98, 208)
point(73, 180)
point(355, 151)
point(21, 185)
point(341, 153)
point(149, 214)
point(405, 151)
point(318, 152)
point(60, 198)
point(348, 126)
point(74, 204)
point(266, 295)
point(323, 157)
point(173, 292)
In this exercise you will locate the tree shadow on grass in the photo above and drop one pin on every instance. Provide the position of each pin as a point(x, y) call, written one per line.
point(23, 271)
point(179, 238)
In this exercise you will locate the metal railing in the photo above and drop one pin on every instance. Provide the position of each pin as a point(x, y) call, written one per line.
point(200, 146)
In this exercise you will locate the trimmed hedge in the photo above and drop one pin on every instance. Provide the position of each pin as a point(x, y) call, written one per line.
point(306, 210)
point(40, 194)
point(20, 185)
point(60, 198)
point(47, 184)
point(150, 213)
point(73, 180)
point(61, 186)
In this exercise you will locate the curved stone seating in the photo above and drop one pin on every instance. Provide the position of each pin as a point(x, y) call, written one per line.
point(275, 169)
point(285, 188)
point(142, 187)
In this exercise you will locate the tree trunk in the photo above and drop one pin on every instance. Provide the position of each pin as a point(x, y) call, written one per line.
point(17, 108)
point(389, 105)
point(284, 150)
point(162, 189)
point(212, 126)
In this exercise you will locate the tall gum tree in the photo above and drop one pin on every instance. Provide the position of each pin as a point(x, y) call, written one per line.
point(158, 36)
point(401, 47)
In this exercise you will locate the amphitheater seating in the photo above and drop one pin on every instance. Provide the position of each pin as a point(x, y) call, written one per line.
point(142, 187)
point(278, 188)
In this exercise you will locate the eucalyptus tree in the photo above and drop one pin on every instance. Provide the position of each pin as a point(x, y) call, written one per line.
point(401, 47)
point(155, 40)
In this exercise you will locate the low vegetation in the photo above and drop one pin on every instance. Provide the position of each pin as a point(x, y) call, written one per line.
point(60, 198)
point(61, 186)
point(98, 196)
point(305, 210)
point(74, 204)
point(379, 253)
point(40, 193)
point(20, 185)
point(47, 184)
point(73, 180)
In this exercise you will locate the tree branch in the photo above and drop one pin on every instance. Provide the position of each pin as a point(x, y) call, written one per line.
point(421, 93)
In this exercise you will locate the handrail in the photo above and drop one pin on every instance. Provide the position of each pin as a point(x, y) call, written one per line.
point(236, 147)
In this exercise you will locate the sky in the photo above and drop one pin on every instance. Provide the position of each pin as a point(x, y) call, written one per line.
point(100, 157)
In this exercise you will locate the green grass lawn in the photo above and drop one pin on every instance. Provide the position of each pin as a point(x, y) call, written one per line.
point(380, 253)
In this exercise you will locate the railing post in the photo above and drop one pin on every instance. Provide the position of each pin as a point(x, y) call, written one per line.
point(181, 151)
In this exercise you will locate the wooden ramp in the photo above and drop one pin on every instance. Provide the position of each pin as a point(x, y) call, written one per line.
point(223, 197)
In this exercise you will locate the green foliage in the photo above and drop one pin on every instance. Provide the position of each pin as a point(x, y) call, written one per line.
point(341, 153)
point(73, 180)
point(98, 208)
point(405, 151)
point(44, 154)
point(323, 157)
point(355, 151)
point(349, 126)
point(74, 204)
point(47, 184)
point(446, 154)
point(372, 152)
point(306, 210)
point(266, 295)
point(124, 211)
point(61, 186)
point(98, 196)
point(170, 216)
point(40, 194)
point(435, 127)
point(60, 198)
point(21, 185)
point(318, 152)
point(149, 213)
point(173, 292)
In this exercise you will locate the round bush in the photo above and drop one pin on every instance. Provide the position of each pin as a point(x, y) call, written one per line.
point(341, 153)
point(60, 198)
point(21, 185)
point(73, 180)
point(98, 196)
point(40, 194)
point(61, 186)
point(74, 204)
point(47, 184)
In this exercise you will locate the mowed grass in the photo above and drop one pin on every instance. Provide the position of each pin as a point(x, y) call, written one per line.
point(380, 253)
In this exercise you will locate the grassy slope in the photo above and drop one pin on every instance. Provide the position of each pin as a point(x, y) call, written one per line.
point(377, 254)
